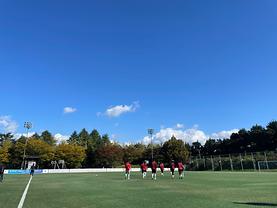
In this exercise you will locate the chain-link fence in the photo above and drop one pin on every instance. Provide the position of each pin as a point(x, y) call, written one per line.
point(253, 161)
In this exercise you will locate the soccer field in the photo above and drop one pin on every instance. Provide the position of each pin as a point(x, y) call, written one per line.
point(197, 189)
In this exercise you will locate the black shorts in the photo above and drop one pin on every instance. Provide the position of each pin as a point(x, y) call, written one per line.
point(143, 171)
point(154, 170)
point(127, 171)
point(172, 171)
point(180, 171)
point(162, 170)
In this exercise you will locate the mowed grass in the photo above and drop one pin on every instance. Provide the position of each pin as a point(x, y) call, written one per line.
point(11, 190)
point(106, 190)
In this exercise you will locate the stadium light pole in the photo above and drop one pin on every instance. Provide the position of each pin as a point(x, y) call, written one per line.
point(150, 132)
point(27, 126)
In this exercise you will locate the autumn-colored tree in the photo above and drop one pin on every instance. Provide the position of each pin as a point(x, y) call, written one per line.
point(72, 154)
point(5, 152)
point(134, 153)
point(42, 150)
point(109, 155)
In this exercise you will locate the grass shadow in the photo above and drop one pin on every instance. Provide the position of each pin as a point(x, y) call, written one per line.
point(257, 204)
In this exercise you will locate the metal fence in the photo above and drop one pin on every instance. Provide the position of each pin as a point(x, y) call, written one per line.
point(253, 161)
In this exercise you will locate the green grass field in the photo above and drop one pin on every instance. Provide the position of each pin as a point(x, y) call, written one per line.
point(197, 189)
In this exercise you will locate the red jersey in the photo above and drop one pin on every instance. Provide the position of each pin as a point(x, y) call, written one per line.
point(127, 166)
point(162, 166)
point(172, 166)
point(180, 166)
point(144, 166)
point(154, 165)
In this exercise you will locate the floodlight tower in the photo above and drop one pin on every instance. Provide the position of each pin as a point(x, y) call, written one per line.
point(151, 132)
point(27, 126)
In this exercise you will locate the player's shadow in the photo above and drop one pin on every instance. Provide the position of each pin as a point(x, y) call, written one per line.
point(257, 204)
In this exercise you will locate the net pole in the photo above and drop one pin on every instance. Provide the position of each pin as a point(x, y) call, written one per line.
point(220, 162)
point(253, 160)
point(231, 162)
point(212, 162)
point(265, 159)
point(241, 162)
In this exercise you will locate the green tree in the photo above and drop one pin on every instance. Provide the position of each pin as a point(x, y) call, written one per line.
point(83, 138)
point(259, 137)
point(95, 139)
point(74, 138)
point(47, 137)
point(5, 137)
point(196, 148)
point(105, 139)
point(35, 136)
point(272, 133)
point(175, 149)
point(94, 143)
point(134, 153)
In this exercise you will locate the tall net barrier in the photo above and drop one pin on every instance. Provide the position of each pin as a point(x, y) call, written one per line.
point(267, 165)
point(253, 161)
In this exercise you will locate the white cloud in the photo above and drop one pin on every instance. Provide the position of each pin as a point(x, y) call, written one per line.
point(187, 135)
point(69, 110)
point(224, 134)
point(7, 124)
point(61, 138)
point(115, 111)
point(179, 126)
point(18, 135)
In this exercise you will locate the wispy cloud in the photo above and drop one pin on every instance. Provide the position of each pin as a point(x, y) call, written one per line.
point(7, 124)
point(118, 110)
point(179, 126)
point(68, 110)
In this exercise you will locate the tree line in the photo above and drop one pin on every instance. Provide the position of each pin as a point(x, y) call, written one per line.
point(87, 150)
point(257, 139)
point(92, 150)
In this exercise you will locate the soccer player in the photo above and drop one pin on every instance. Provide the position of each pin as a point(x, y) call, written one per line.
point(154, 167)
point(32, 170)
point(144, 169)
point(127, 170)
point(1, 173)
point(172, 169)
point(181, 170)
point(162, 168)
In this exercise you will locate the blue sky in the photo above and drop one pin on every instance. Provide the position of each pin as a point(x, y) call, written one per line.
point(208, 65)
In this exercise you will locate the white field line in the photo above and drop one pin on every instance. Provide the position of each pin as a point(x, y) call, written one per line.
point(20, 205)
